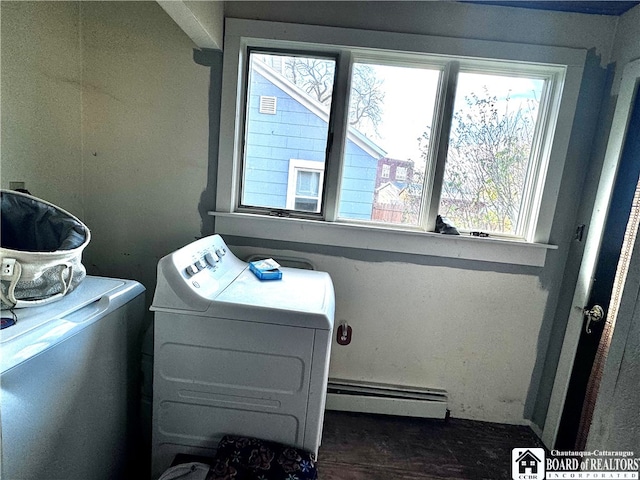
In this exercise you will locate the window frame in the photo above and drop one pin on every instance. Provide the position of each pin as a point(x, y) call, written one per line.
point(534, 181)
point(400, 178)
point(351, 44)
point(244, 105)
point(296, 165)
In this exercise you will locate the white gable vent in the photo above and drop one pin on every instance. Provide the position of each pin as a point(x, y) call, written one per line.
point(268, 104)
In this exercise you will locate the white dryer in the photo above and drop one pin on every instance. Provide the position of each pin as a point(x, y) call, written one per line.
point(237, 355)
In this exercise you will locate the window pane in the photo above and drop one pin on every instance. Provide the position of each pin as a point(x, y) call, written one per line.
point(288, 100)
point(390, 113)
point(489, 148)
point(306, 204)
point(308, 183)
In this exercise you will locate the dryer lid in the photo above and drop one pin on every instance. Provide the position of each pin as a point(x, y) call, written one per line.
point(302, 297)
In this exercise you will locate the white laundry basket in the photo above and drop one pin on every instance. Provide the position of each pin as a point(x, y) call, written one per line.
point(41, 251)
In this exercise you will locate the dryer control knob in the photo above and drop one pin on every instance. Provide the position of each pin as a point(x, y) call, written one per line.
point(221, 252)
point(191, 270)
point(211, 259)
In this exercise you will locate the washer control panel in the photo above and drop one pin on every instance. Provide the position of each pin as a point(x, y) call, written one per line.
point(208, 258)
point(194, 275)
point(205, 267)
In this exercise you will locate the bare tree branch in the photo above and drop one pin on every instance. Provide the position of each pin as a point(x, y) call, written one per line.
point(487, 162)
point(315, 76)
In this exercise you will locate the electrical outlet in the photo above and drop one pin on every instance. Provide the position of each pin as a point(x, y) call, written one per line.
point(8, 265)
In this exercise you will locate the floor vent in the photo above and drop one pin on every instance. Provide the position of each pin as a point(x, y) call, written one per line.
point(354, 396)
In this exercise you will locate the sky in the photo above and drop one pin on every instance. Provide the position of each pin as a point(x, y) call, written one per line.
point(409, 103)
point(407, 109)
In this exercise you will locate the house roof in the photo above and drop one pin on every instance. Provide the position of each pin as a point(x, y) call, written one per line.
point(317, 108)
point(527, 454)
point(389, 193)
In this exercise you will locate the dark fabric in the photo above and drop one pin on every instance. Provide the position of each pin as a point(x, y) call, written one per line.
point(443, 225)
point(241, 458)
point(29, 225)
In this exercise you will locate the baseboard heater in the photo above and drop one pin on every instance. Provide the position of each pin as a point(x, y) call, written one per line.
point(365, 397)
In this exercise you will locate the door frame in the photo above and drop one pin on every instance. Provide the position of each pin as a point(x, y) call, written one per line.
point(615, 144)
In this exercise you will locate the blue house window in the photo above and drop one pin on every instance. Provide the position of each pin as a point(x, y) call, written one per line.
point(304, 192)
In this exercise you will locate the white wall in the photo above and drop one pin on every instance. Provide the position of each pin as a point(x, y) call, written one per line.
point(105, 113)
point(41, 100)
point(426, 326)
point(145, 127)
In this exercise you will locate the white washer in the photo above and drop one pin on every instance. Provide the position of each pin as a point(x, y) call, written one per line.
point(237, 355)
point(70, 385)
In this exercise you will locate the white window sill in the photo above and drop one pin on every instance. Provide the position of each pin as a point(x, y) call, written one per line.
point(368, 237)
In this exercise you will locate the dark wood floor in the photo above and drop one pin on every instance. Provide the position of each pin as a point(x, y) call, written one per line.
point(375, 447)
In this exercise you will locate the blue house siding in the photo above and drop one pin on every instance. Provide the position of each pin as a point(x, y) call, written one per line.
point(295, 132)
point(358, 184)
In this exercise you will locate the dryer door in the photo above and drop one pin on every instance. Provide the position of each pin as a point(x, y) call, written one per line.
point(214, 376)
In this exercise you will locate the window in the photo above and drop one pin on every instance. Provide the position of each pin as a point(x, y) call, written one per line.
point(304, 185)
point(299, 128)
point(425, 125)
point(490, 156)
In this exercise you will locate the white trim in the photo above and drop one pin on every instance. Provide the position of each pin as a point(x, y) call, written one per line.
point(306, 165)
point(190, 23)
point(403, 177)
point(340, 132)
point(434, 176)
point(286, 35)
point(382, 238)
point(617, 135)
